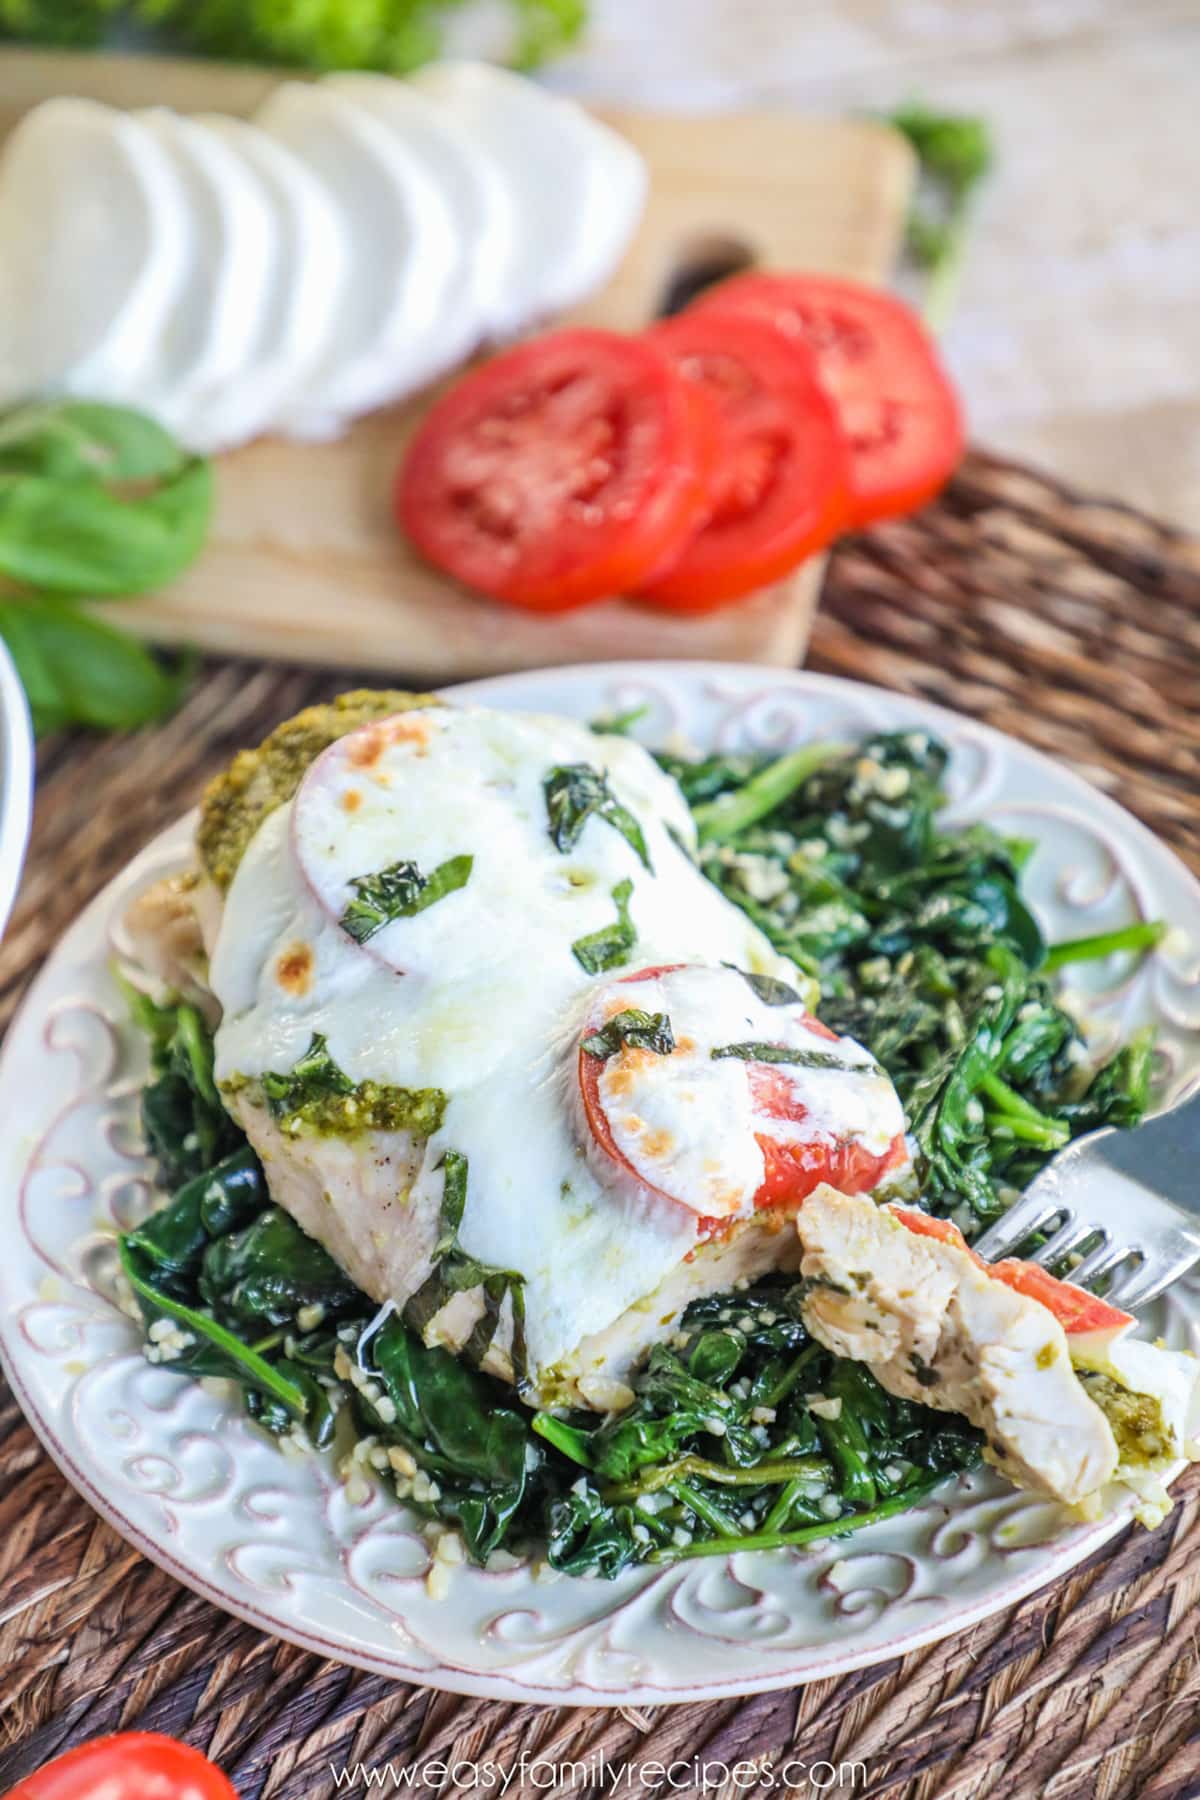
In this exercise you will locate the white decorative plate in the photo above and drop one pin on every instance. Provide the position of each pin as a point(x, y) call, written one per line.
point(272, 1538)
point(16, 782)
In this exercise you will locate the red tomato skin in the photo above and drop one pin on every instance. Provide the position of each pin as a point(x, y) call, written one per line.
point(791, 1171)
point(883, 372)
point(1076, 1311)
point(780, 490)
point(513, 445)
point(140, 1765)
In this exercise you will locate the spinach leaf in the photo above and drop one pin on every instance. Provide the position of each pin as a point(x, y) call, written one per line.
point(609, 947)
point(481, 1453)
point(186, 1126)
point(633, 1028)
point(173, 1240)
point(269, 1271)
point(575, 793)
point(399, 892)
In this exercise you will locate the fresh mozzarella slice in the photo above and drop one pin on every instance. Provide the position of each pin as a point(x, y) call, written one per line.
point(402, 254)
point(299, 317)
point(211, 331)
point(95, 238)
point(578, 187)
point(481, 203)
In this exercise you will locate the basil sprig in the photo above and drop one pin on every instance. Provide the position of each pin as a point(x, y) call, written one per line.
point(609, 947)
point(95, 500)
point(575, 793)
point(398, 892)
point(633, 1029)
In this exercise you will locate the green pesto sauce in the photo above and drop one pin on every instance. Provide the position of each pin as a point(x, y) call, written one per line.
point(1136, 1419)
point(257, 781)
point(369, 1106)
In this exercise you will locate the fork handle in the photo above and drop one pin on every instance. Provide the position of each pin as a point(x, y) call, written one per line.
point(1162, 1153)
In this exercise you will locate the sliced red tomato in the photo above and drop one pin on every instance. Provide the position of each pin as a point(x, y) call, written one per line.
point(133, 1765)
point(780, 490)
point(559, 472)
point(896, 405)
point(793, 1166)
point(1075, 1310)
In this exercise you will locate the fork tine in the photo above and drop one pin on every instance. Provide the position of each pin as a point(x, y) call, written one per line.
point(1100, 1261)
point(1032, 1213)
point(1149, 1279)
point(1069, 1236)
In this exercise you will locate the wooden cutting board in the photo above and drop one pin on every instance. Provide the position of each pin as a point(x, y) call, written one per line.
point(304, 562)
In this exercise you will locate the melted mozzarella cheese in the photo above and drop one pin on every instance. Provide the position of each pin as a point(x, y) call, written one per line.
point(690, 1123)
point(481, 993)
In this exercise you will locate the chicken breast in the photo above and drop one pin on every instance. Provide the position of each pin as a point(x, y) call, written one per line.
point(933, 1327)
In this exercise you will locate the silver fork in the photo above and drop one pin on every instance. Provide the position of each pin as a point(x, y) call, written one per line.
point(1139, 1189)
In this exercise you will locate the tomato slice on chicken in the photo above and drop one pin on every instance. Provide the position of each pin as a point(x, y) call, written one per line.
point(561, 471)
point(780, 488)
point(1076, 1311)
point(695, 1089)
point(133, 1765)
point(896, 405)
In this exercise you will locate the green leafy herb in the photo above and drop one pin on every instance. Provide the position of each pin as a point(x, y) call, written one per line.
point(575, 793)
point(781, 1053)
point(769, 989)
point(455, 1272)
point(399, 892)
point(392, 35)
point(954, 154)
point(94, 500)
point(609, 947)
point(1147, 934)
point(186, 1125)
point(316, 1095)
point(78, 671)
point(634, 1029)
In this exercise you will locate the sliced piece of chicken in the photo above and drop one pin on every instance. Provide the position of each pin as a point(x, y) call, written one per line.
point(934, 1327)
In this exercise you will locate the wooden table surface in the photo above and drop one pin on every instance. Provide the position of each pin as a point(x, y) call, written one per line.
point(1073, 625)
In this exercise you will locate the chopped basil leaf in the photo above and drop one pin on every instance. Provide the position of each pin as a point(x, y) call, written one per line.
point(770, 990)
point(576, 791)
point(633, 1028)
point(398, 892)
point(781, 1053)
point(609, 947)
point(454, 1272)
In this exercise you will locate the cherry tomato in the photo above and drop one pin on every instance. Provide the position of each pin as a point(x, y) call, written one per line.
point(897, 407)
point(561, 471)
point(133, 1765)
point(1075, 1310)
point(780, 489)
point(793, 1166)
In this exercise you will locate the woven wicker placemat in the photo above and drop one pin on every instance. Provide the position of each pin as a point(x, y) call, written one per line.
point(1073, 625)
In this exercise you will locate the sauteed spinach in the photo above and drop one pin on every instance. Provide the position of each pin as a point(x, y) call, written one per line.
point(743, 1432)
